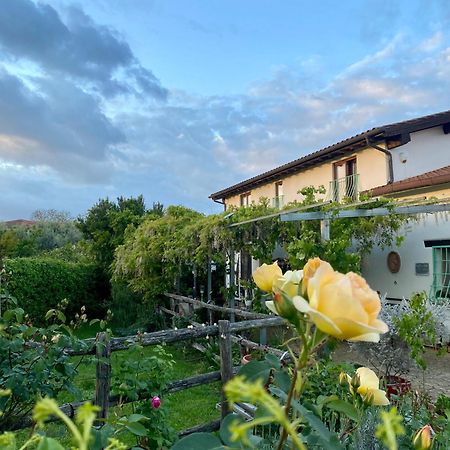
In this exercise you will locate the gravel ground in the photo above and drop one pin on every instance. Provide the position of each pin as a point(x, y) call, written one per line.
point(435, 380)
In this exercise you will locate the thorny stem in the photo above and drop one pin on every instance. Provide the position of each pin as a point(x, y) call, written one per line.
point(288, 407)
point(299, 365)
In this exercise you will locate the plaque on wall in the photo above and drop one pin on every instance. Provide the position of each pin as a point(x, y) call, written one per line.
point(394, 262)
point(422, 269)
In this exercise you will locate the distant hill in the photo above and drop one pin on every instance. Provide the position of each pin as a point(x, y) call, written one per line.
point(18, 222)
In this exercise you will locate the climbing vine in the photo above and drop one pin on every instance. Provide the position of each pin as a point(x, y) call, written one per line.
point(162, 249)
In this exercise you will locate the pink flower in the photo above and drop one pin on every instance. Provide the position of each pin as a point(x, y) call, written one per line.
point(156, 402)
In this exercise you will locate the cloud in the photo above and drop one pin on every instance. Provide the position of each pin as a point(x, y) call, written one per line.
point(196, 145)
point(60, 127)
point(78, 48)
point(74, 124)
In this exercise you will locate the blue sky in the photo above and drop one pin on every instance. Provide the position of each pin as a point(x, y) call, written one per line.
point(176, 99)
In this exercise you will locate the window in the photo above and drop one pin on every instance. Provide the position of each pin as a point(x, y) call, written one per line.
point(278, 199)
point(278, 188)
point(245, 199)
point(441, 272)
point(345, 180)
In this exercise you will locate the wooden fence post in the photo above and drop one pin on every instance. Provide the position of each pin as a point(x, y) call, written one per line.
point(226, 362)
point(103, 375)
point(263, 336)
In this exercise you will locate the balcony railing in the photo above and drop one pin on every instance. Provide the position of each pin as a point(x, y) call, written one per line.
point(278, 202)
point(344, 188)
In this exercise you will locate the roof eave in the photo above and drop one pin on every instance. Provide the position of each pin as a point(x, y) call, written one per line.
point(295, 166)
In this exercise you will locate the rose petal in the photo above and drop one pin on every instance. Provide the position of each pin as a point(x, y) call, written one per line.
point(368, 337)
point(367, 378)
point(378, 397)
point(352, 329)
point(336, 299)
point(301, 304)
point(271, 305)
point(323, 323)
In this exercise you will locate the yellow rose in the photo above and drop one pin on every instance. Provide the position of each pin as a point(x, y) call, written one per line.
point(369, 387)
point(288, 283)
point(342, 306)
point(310, 269)
point(423, 438)
point(265, 275)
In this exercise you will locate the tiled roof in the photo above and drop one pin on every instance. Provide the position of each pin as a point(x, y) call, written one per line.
point(432, 178)
point(348, 145)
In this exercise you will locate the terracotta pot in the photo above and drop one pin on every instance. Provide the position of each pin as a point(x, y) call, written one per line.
point(246, 359)
point(397, 386)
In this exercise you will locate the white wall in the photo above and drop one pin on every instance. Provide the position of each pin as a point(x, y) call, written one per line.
point(428, 150)
point(412, 251)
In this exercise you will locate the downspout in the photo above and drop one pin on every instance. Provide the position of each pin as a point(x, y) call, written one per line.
point(389, 155)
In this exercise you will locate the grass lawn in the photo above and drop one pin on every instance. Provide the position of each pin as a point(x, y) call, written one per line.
point(186, 408)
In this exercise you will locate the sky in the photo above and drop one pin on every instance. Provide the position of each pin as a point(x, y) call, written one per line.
point(177, 99)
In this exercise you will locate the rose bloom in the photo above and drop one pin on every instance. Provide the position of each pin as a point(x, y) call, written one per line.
point(310, 269)
point(423, 438)
point(265, 275)
point(343, 306)
point(369, 387)
point(288, 283)
point(156, 402)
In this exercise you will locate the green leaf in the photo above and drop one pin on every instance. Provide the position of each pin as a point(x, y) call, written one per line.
point(197, 441)
point(224, 432)
point(273, 360)
point(282, 380)
point(49, 444)
point(100, 437)
point(343, 407)
point(136, 428)
point(50, 313)
point(136, 417)
point(61, 316)
point(328, 440)
point(256, 370)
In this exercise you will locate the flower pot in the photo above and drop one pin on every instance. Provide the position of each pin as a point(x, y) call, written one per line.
point(246, 359)
point(396, 385)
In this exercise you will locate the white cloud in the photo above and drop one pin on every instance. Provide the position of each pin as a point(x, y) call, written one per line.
point(59, 135)
point(432, 42)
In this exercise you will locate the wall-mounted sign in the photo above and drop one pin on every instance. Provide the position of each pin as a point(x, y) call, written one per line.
point(422, 269)
point(394, 262)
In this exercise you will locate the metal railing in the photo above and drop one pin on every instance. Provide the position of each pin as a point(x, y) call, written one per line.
point(278, 202)
point(344, 188)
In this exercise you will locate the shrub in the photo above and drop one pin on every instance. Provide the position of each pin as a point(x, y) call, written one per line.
point(39, 284)
point(32, 363)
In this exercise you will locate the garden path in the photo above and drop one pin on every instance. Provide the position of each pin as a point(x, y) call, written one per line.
point(437, 374)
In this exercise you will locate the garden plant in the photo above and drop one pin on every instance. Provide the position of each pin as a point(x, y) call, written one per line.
point(320, 305)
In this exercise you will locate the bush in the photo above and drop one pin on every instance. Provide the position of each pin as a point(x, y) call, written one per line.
point(33, 363)
point(39, 284)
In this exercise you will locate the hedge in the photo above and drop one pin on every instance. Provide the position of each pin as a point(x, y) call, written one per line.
point(40, 283)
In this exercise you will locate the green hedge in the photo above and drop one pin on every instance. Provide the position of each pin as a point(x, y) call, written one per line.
point(39, 284)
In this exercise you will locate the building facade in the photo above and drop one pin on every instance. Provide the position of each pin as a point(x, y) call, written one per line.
point(408, 160)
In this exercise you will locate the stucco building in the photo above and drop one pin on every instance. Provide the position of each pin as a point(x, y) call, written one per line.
point(404, 160)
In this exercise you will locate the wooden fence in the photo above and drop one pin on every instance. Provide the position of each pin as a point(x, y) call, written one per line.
point(102, 346)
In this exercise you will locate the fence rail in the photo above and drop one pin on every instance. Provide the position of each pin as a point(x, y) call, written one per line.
point(212, 307)
point(103, 346)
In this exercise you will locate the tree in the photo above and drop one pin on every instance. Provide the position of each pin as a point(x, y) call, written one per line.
point(106, 224)
point(156, 252)
point(50, 215)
